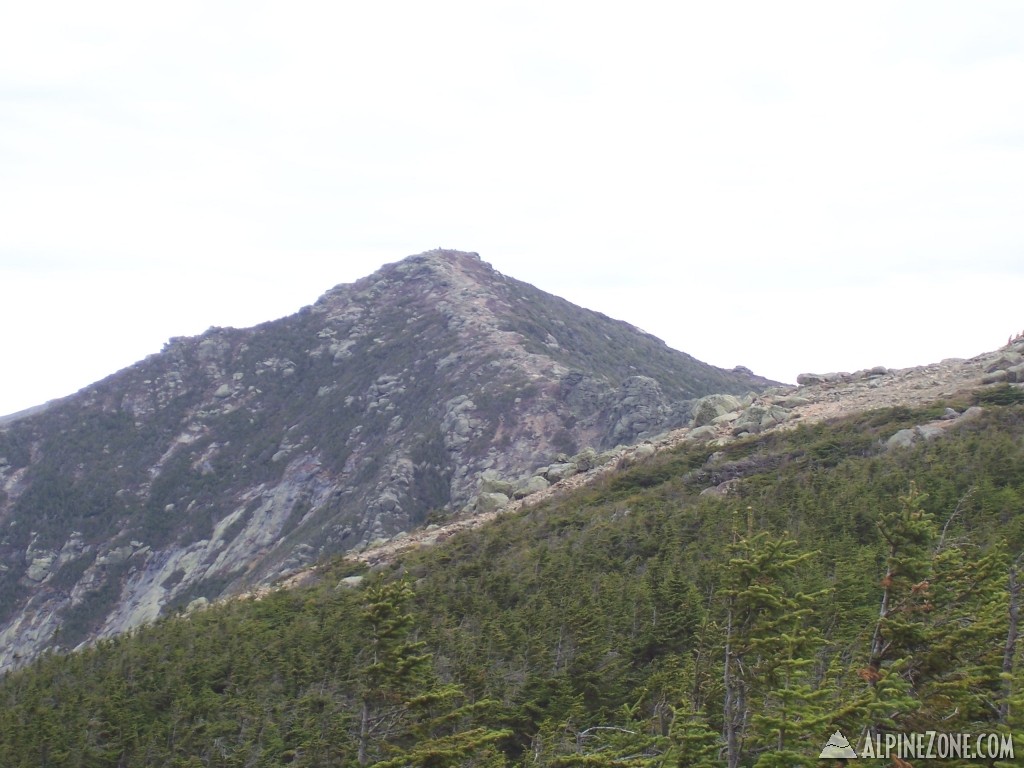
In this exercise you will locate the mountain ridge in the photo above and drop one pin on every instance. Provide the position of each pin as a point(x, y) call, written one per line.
point(436, 385)
point(819, 398)
point(617, 623)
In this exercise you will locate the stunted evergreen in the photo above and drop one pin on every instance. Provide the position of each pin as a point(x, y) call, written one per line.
point(406, 716)
point(634, 623)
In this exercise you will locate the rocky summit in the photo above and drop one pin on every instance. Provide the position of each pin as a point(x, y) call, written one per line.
point(436, 387)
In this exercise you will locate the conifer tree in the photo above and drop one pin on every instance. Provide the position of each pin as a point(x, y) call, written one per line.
point(694, 743)
point(407, 717)
point(936, 651)
point(908, 533)
point(394, 667)
point(768, 648)
point(794, 710)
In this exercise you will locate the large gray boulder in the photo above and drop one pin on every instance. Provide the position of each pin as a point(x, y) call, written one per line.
point(491, 482)
point(810, 379)
point(908, 437)
point(902, 439)
point(996, 377)
point(707, 432)
point(556, 472)
point(535, 484)
point(586, 460)
point(491, 502)
point(707, 409)
point(759, 417)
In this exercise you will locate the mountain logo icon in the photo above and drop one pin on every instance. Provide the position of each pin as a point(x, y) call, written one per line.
point(837, 747)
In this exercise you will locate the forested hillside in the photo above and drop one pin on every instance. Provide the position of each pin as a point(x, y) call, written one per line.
point(837, 585)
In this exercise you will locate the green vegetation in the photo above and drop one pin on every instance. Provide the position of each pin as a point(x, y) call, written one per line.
point(319, 412)
point(634, 623)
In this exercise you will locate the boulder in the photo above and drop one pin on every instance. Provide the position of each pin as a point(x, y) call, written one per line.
point(809, 379)
point(930, 431)
point(995, 377)
point(533, 485)
point(491, 502)
point(1015, 373)
point(490, 482)
point(722, 489)
point(971, 413)
point(586, 459)
point(706, 432)
point(557, 472)
point(706, 409)
point(351, 582)
point(1004, 362)
point(902, 439)
point(775, 414)
point(908, 437)
point(759, 417)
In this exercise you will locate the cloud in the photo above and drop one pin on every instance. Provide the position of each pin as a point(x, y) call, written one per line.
point(730, 161)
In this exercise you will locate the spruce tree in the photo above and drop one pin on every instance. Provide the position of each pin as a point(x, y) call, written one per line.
point(394, 667)
point(770, 701)
point(936, 651)
point(407, 716)
point(908, 533)
point(694, 743)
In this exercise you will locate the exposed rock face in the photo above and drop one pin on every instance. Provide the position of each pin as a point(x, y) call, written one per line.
point(435, 385)
point(906, 387)
point(709, 408)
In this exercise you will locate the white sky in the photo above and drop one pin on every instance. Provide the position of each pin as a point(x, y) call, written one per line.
point(790, 186)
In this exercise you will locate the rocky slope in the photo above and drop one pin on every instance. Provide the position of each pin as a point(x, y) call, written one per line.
point(717, 420)
point(435, 387)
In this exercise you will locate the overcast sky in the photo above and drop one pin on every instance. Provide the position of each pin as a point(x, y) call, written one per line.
point(790, 186)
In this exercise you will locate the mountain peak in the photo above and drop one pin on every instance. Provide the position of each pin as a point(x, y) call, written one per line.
point(435, 386)
point(438, 267)
point(447, 256)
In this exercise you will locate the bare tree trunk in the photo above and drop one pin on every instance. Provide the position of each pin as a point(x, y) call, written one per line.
point(878, 639)
point(731, 705)
point(1010, 649)
point(558, 649)
point(364, 732)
